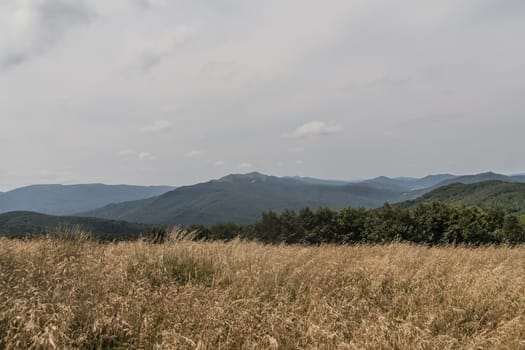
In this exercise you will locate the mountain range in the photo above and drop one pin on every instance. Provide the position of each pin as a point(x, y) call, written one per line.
point(71, 199)
point(241, 198)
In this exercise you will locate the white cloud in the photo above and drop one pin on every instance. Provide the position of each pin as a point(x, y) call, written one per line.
point(157, 126)
point(194, 153)
point(146, 156)
point(219, 163)
point(143, 155)
point(314, 128)
point(245, 166)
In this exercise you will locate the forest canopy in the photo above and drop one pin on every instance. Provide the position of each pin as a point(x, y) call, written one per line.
point(428, 223)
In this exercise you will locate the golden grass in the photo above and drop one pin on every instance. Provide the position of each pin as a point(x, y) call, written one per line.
point(69, 294)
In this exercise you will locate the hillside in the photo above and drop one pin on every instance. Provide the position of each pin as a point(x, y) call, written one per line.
point(431, 182)
point(242, 199)
point(21, 223)
point(506, 195)
point(70, 199)
point(409, 183)
point(315, 181)
point(483, 177)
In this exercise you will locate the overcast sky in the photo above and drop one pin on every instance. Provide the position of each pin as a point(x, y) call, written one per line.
point(177, 92)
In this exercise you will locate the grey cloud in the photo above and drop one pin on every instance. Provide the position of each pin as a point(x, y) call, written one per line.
point(33, 27)
point(226, 71)
point(245, 72)
point(431, 120)
point(194, 153)
point(157, 127)
point(153, 50)
point(494, 8)
point(388, 82)
point(148, 4)
point(57, 14)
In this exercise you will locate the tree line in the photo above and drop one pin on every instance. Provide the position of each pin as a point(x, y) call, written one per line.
point(426, 223)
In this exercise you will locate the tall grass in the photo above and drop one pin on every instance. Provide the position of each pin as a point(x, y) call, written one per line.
point(58, 293)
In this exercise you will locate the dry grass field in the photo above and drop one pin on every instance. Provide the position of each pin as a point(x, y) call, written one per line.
point(77, 294)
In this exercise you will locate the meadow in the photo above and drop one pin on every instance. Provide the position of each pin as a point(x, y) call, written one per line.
point(75, 293)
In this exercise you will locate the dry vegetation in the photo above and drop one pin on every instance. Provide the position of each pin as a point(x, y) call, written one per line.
point(68, 294)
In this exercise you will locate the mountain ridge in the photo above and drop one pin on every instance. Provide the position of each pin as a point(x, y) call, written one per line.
point(509, 196)
point(242, 198)
point(57, 199)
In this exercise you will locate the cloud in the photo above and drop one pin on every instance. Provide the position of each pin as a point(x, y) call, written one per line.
point(219, 163)
point(143, 155)
point(297, 149)
point(194, 153)
point(152, 51)
point(146, 156)
point(173, 109)
point(157, 127)
point(57, 176)
point(126, 153)
point(148, 4)
point(222, 71)
point(389, 83)
point(314, 128)
point(245, 166)
point(30, 28)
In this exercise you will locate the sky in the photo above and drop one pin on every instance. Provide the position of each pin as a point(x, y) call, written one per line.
point(177, 92)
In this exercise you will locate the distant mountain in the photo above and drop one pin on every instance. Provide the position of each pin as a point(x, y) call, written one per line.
point(238, 197)
point(242, 199)
point(470, 179)
point(314, 181)
point(506, 195)
point(432, 180)
point(22, 223)
point(70, 199)
point(409, 183)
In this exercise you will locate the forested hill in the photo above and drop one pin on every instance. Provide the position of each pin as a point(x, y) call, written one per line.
point(242, 199)
point(505, 195)
point(22, 223)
